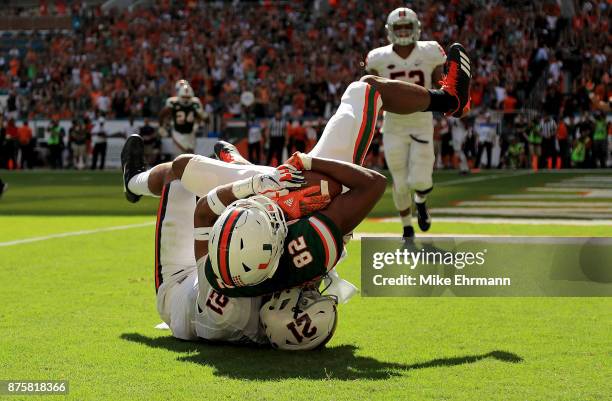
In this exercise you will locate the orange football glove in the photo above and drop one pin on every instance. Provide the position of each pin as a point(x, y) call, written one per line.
point(301, 161)
point(302, 202)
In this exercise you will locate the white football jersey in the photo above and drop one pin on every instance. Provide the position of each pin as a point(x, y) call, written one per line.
point(416, 68)
point(221, 318)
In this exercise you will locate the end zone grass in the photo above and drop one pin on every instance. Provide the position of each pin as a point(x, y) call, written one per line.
point(82, 308)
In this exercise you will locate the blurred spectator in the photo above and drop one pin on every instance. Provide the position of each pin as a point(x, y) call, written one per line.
point(25, 145)
point(486, 135)
point(535, 144)
point(152, 143)
point(548, 130)
point(11, 144)
point(78, 141)
point(600, 141)
point(55, 145)
point(563, 157)
point(277, 134)
point(254, 141)
point(299, 136)
point(99, 135)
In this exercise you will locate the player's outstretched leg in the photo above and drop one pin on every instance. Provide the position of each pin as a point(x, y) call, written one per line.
point(136, 180)
point(453, 98)
point(132, 164)
point(228, 153)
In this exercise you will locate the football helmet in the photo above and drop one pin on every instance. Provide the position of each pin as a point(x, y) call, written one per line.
point(299, 319)
point(246, 241)
point(180, 83)
point(400, 20)
point(185, 94)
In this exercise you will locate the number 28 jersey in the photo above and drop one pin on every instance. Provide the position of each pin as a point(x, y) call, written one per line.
point(312, 247)
point(416, 68)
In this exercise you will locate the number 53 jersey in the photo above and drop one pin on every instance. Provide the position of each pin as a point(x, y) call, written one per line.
point(312, 247)
point(417, 68)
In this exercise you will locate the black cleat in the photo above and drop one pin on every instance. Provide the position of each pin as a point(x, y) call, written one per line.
point(3, 188)
point(228, 153)
point(408, 232)
point(423, 216)
point(456, 81)
point(132, 163)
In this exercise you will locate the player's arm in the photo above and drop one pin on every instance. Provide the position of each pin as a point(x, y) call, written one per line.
point(365, 189)
point(164, 115)
point(211, 206)
point(201, 115)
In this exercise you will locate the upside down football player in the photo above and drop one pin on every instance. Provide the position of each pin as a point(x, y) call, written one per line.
point(408, 139)
point(252, 251)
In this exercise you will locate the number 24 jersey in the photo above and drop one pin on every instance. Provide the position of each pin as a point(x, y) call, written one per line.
point(312, 247)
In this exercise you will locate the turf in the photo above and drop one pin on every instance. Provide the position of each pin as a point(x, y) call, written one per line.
point(82, 308)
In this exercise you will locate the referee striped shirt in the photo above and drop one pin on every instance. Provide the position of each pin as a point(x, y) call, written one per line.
point(548, 128)
point(278, 128)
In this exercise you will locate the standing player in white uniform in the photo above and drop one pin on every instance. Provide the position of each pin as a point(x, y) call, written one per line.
point(408, 139)
point(186, 112)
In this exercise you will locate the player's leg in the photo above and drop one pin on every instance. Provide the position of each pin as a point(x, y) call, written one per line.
point(175, 273)
point(200, 174)
point(420, 180)
point(397, 150)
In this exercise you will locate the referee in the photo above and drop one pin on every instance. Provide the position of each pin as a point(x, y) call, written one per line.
point(548, 129)
point(277, 132)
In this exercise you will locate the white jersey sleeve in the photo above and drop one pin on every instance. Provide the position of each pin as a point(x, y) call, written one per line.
point(375, 60)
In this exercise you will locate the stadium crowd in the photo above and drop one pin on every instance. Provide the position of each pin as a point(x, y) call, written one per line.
point(297, 58)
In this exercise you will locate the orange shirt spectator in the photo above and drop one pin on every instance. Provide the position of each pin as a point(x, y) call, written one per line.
point(561, 131)
point(24, 134)
point(509, 104)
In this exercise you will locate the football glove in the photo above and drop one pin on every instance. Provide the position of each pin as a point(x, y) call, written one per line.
point(301, 161)
point(302, 202)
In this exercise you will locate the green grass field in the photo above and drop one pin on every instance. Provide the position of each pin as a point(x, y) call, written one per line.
point(81, 307)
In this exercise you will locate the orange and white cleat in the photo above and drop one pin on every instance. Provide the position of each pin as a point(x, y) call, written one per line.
point(456, 81)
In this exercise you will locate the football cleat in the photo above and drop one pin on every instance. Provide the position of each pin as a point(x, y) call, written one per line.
point(132, 163)
point(408, 232)
point(228, 153)
point(423, 216)
point(456, 81)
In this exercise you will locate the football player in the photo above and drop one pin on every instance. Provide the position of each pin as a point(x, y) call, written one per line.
point(408, 139)
point(186, 112)
point(295, 319)
point(313, 249)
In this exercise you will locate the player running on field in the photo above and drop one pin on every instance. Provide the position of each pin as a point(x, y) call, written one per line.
point(408, 139)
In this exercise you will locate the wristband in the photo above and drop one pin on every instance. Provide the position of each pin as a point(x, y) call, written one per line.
point(201, 233)
point(243, 188)
point(214, 203)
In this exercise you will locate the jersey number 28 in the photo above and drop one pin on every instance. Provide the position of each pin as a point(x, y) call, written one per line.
point(297, 249)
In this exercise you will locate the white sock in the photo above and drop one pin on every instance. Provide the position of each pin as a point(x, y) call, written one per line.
point(139, 184)
point(419, 198)
point(406, 220)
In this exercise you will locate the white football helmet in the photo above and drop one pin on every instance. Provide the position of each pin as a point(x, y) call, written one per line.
point(180, 83)
point(246, 241)
point(398, 31)
point(299, 319)
point(185, 94)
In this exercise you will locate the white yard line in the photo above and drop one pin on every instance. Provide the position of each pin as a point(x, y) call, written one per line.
point(505, 239)
point(465, 180)
point(74, 234)
point(526, 212)
point(552, 196)
point(498, 203)
point(501, 220)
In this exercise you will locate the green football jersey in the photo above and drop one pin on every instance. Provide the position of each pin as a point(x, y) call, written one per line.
point(312, 247)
